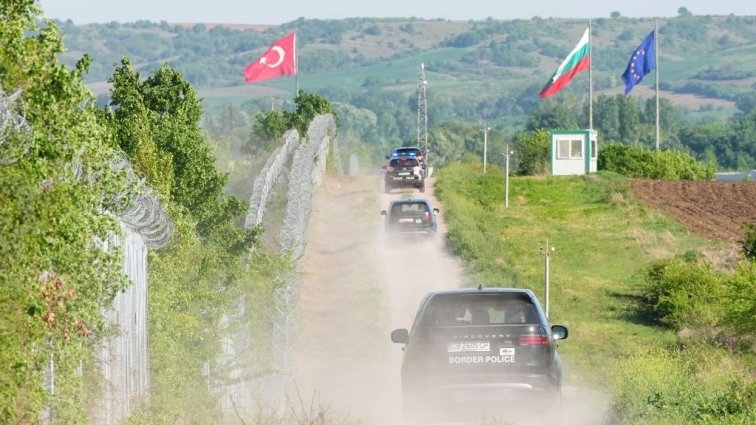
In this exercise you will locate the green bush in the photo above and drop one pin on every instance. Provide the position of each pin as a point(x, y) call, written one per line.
point(646, 164)
point(533, 152)
point(748, 244)
point(741, 313)
point(683, 293)
point(696, 385)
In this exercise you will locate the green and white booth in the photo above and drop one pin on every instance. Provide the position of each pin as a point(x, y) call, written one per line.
point(573, 152)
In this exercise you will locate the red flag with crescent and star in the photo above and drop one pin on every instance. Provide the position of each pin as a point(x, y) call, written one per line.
point(277, 61)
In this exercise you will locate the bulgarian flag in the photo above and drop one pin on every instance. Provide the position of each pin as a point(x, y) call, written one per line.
point(578, 60)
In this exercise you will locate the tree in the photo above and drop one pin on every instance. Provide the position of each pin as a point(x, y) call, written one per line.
point(629, 128)
point(533, 151)
point(161, 115)
point(552, 116)
point(308, 106)
point(606, 117)
point(56, 279)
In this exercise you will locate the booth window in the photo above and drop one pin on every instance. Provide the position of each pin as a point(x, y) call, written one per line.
point(570, 149)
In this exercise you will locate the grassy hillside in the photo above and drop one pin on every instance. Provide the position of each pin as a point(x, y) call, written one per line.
point(492, 59)
point(603, 241)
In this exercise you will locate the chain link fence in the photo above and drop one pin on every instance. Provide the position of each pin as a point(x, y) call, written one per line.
point(263, 184)
point(247, 388)
point(15, 131)
point(123, 356)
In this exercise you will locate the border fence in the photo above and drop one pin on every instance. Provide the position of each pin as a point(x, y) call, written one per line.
point(247, 388)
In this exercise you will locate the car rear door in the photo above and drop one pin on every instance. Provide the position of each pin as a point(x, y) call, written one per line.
point(475, 338)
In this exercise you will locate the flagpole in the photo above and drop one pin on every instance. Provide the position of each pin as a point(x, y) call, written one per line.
point(656, 61)
point(296, 68)
point(590, 78)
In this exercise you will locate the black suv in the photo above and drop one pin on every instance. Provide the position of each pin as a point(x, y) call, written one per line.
point(408, 151)
point(404, 171)
point(411, 216)
point(481, 352)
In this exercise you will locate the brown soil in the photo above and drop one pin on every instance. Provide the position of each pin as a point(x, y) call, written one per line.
point(714, 210)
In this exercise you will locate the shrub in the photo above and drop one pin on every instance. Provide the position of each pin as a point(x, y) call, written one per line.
point(683, 293)
point(533, 151)
point(646, 164)
point(748, 244)
point(695, 385)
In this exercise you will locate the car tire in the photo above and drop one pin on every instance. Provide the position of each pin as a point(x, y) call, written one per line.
point(422, 188)
point(387, 187)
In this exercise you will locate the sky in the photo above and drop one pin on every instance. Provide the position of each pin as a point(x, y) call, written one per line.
point(282, 11)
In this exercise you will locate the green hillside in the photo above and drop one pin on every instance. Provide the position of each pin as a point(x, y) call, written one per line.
point(494, 60)
point(605, 243)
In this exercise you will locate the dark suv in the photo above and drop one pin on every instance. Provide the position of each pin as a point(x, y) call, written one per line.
point(411, 216)
point(481, 352)
point(408, 151)
point(404, 171)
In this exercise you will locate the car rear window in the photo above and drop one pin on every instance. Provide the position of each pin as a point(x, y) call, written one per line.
point(478, 309)
point(404, 162)
point(409, 208)
point(408, 151)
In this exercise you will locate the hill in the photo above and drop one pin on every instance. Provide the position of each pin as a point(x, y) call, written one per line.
point(488, 69)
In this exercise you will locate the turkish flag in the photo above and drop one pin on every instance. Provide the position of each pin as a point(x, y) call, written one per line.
point(277, 61)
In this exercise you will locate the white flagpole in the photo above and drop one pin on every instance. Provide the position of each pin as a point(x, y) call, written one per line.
point(656, 60)
point(296, 68)
point(590, 78)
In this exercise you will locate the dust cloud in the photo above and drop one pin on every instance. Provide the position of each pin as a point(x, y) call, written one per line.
point(357, 286)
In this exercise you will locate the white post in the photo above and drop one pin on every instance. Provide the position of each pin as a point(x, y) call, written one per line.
point(546, 279)
point(506, 177)
point(546, 254)
point(485, 147)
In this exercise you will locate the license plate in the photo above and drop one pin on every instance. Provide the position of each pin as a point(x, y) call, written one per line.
point(406, 173)
point(469, 347)
point(406, 220)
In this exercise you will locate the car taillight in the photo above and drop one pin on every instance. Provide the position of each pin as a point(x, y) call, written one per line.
point(389, 168)
point(534, 340)
point(426, 216)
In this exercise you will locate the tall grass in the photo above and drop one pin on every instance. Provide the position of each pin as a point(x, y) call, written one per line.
point(603, 240)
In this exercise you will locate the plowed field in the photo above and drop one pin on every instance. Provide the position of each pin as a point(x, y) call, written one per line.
point(715, 210)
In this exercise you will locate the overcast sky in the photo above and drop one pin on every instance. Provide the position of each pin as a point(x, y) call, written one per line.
point(281, 11)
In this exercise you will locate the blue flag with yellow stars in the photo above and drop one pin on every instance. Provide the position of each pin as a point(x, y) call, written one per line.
point(641, 63)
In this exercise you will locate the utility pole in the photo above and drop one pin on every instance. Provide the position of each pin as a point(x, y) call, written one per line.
point(546, 254)
point(422, 114)
point(485, 146)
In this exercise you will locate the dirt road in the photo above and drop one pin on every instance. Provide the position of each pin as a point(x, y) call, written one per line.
point(355, 290)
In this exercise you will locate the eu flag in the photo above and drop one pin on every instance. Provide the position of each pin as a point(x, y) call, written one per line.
point(641, 63)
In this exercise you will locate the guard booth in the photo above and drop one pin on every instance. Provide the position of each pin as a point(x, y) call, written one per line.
point(573, 152)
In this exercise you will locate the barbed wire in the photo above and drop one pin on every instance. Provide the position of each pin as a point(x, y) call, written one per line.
point(15, 131)
point(307, 160)
point(307, 168)
point(142, 212)
point(264, 181)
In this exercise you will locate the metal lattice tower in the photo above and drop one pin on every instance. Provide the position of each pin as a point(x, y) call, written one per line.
point(422, 113)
